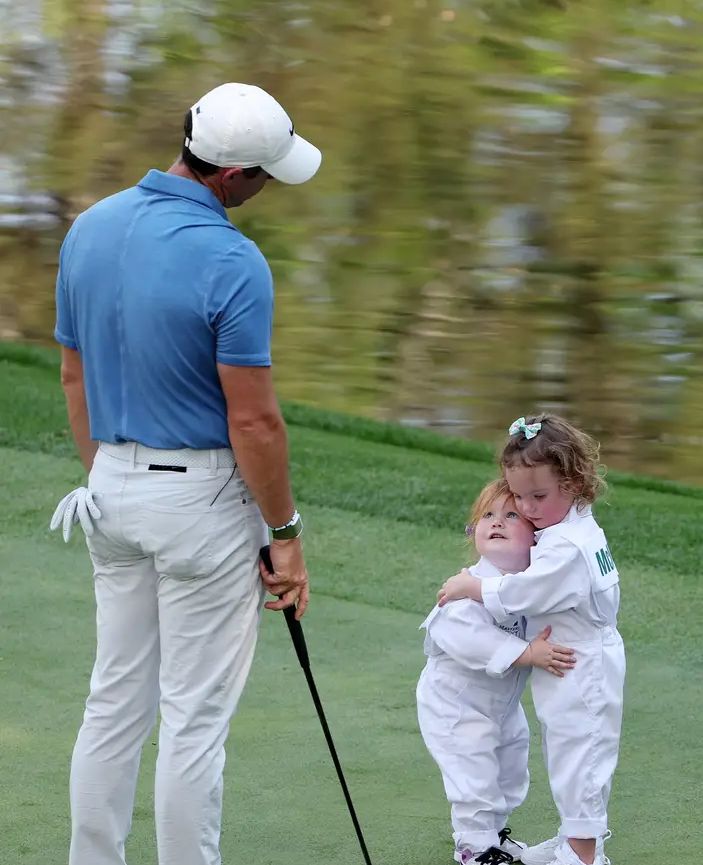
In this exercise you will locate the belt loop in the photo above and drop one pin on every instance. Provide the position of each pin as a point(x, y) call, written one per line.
point(213, 461)
point(134, 446)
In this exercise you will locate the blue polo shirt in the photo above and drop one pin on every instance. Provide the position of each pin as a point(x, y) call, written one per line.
point(155, 287)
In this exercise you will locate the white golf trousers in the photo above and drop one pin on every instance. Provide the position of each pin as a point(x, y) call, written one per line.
point(179, 600)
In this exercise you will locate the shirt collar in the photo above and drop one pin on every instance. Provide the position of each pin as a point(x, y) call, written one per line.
point(181, 187)
point(485, 568)
point(575, 512)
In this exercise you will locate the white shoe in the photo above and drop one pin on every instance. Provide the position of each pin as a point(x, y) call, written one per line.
point(544, 853)
point(564, 855)
point(541, 854)
point(509, 845)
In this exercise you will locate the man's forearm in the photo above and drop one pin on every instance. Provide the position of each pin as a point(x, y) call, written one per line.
point(261, 451)
point(80, 426)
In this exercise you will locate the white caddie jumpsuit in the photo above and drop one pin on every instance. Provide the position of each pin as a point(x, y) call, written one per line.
point(468, 705)
point(572, 585)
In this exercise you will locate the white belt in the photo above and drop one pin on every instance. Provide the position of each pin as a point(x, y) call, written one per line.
point(187, 457)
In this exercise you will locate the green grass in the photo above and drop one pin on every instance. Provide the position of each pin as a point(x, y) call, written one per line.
point(384, 512)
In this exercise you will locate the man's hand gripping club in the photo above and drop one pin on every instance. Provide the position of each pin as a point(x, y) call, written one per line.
point(289, 579)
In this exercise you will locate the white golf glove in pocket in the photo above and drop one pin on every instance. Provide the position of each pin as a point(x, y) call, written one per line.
point(77, 507)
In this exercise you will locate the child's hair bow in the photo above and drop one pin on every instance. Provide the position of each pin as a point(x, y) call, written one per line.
point(530, 429)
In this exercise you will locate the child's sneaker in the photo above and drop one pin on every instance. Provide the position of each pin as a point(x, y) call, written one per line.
point(564, 855)
point(543, 854)
point(509, 845)
point(492, 856)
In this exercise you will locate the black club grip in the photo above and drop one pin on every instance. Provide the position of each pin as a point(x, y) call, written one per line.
point(294, 626)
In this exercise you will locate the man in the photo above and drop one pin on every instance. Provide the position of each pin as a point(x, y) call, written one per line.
point(164, 316)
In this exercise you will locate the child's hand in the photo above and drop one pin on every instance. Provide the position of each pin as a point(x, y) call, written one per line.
point(548, 656)
point(461, 585)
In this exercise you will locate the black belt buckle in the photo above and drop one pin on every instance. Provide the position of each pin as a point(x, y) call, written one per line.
point(157, 468)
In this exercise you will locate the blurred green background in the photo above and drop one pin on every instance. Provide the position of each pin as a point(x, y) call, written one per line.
point(508, 215)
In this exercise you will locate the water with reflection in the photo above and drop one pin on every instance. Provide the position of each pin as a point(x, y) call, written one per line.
point(508, 215)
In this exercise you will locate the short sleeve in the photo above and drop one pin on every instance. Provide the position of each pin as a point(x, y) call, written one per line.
point(64, 331)
point(240, 307)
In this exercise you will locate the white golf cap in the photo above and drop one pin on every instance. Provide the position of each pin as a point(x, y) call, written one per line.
point(241, 126)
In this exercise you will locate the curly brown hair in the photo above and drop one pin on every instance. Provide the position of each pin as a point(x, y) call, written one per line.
point(574, 455)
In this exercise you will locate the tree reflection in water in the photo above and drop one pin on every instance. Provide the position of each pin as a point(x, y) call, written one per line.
point(507, 216)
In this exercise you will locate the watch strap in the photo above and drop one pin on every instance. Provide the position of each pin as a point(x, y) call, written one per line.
point(292, 529)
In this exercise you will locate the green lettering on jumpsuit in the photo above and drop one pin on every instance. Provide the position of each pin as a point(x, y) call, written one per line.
point(605, 561)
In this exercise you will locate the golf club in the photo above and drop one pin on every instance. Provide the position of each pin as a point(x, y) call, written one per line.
point(301, 650)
